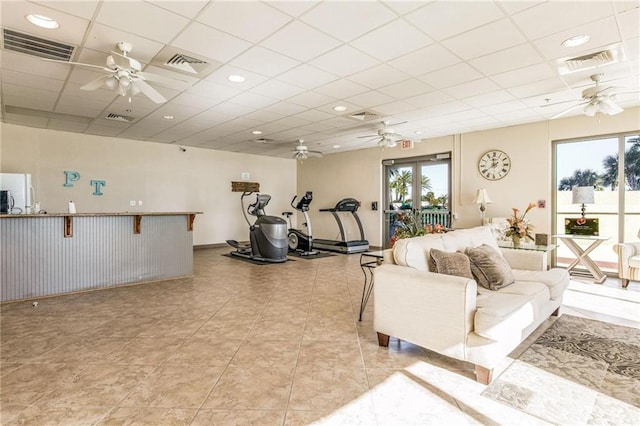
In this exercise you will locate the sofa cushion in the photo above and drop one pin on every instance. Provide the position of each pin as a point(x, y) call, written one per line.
point(471, 237)
point(448, 263)
point(503, 316)
point(489, 268)
point(556, 279)
point(634, 261)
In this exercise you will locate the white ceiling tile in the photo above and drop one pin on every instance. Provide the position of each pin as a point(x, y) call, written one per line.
point(342, 88)
point(264, 61)
point(370, 98)
point(294, 8)
point(344, 61)
point(253, 100)
point(538, 88)
point(313, 115)
point(443, 19)
point(67, 126)
point(348, 20)
point(425, 60)
point(291, 122)
point(220, 76)
point(126, 16)
point(103, 39)
point(447, 108)
point(307, 76)
point(395, 108)
point(300, 41)
point(188, 8)
point(394, 39)
point(310, 99)
point(29, 80)
point(285, 108)
point(71, 31)
point(498, 109)
point(248, 20)
point(264, 116)
point(217, 92)
point(379, 76)
point(406, 88)
point(512, 7)
point(430, 99)
point(209, 42)
point(554, 16)
point(630, 22)
point(476, 87)
point(26, 120)
point(33, 66)
point(524, 75)
point(451, 76)
point(95, 129)
point(506, 60)
point(492, 98)
point(402, 7)
point(191, 99)
point(603, 32)
point(84, 9)
point(277, 90)
point(484, 40)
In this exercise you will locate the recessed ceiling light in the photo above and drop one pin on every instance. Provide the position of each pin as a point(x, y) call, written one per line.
point(418, 132)
point(339, 108)
point(43, 21)
point(168, 117)
point(236, 78)
point(257, 132)
point(336, 146)
point(576, 41)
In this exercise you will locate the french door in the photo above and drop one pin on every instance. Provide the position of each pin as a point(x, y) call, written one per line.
point(421, 184)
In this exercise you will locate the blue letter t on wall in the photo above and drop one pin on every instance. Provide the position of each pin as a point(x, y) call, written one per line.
point(98, 184)
point(69, 177)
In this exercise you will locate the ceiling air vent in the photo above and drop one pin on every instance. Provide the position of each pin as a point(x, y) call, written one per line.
point(184, 62)
point(610, 55)
point(364, 115)
point(36, 46)
point(118, 117)
point(263, 140)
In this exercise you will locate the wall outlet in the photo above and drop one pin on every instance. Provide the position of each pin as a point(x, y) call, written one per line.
point(132, 202)
point(140, 202)
point(246, 176)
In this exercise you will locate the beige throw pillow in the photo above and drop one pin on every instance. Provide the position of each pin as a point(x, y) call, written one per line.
point(448, 263)
point(489, 268)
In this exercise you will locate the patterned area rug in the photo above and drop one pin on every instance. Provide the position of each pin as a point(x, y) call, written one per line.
point(579, 371)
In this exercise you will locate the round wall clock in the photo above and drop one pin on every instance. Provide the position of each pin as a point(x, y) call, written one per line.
point(494, 165)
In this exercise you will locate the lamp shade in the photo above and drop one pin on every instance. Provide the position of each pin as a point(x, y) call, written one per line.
point(482, 197)
point(582, 195)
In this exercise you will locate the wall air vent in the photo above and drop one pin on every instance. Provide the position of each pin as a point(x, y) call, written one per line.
point(364, 115)
point(609, 55)
point(36, 46)
point(118, 117)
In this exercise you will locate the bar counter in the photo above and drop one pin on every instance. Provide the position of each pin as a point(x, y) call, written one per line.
point(57, 253)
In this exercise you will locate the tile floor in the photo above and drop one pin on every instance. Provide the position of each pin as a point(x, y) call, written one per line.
point(243, 344)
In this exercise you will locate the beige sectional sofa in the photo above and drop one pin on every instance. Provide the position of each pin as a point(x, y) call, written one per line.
point(453, 315)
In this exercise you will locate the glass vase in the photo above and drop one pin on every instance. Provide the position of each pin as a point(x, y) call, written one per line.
point(516, 241)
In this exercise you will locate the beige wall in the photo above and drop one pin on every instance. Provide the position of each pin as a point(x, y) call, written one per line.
point(160, 175)
point(359, 174)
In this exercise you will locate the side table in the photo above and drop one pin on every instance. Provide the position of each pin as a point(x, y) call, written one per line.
point(369, 260)
point(543, 250)
point(570, 240)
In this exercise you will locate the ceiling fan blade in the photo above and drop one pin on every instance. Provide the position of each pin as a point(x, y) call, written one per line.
point(151, 93)
point(385, 123)
point(78, 63)
point(125, 61)
point(568, 110)
point(612, 107)
point(557, 103)
point(161, 79)
point(96, 84)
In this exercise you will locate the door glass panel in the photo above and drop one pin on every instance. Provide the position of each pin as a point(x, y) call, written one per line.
point(401, 187)
point(434, 198)
point(632, 188)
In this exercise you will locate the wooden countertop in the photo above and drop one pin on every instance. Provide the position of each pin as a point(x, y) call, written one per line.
point(15, 216)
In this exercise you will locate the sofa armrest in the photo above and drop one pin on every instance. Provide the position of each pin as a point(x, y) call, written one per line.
point(528, 260)
point(432, 310)
point(625, 251)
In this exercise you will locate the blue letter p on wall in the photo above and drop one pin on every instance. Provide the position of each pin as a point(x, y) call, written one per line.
point(70, 176)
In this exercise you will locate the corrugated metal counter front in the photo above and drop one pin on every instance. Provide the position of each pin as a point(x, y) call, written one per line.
point(47, 254)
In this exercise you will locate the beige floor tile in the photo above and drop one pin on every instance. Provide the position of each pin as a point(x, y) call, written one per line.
point(31, 347)
point(37, 415)
point(252, 388)
point(398, 355)
point(9, 412)
point(171, 327)
point(30, 382)
point(83, 350)
point(239, 417)
point(149, 416)
point(140, 351)
point(205, 351)
point(256, 352)
point(316, 388)
point(173, 386)
point(329, 354)
point(277, 329)
point(226, 328)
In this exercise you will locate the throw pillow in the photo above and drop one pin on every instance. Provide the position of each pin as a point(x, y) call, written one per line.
point(448, 263)
point(489, 268)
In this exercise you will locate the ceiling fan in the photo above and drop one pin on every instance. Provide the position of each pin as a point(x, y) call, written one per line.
point(124, 75)
point(595, 99)
point(301, 152)
point(388, 137)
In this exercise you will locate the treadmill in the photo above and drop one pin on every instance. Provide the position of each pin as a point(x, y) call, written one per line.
point(349, 205)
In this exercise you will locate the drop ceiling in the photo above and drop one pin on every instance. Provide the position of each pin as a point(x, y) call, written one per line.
point(444, 67)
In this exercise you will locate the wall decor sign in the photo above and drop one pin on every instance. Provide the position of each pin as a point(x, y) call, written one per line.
point(71, 176)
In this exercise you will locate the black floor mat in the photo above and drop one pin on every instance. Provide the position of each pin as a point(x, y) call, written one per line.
point(320, 255)
point(255, 262)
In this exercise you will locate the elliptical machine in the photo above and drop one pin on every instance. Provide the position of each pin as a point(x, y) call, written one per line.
point(299, 242)
point(267, 235)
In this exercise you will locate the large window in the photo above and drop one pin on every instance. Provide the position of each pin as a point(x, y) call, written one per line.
point(421, 184)
point(611, 165)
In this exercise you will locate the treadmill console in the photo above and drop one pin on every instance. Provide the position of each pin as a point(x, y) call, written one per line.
point(347, 205)
point(303, 204)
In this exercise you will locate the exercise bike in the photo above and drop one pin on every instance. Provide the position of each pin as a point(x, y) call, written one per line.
point(299, 242)
point(267, 235)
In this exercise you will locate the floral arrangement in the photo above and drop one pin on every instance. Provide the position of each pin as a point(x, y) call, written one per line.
point(409, 224)
point(519, 226)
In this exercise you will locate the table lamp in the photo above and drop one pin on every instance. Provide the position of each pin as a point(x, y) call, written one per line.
point(582, 195)
point(482, 198)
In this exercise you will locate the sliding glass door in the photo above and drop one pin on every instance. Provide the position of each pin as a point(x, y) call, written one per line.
point(421, 184)
point(611, 165)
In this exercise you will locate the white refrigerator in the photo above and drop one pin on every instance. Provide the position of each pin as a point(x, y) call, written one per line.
point(20, 186)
